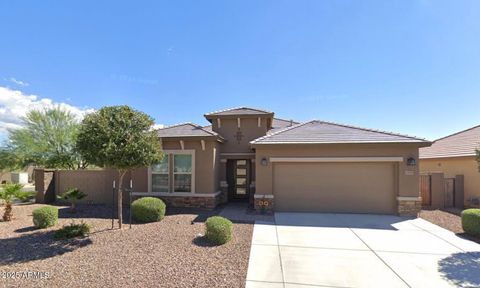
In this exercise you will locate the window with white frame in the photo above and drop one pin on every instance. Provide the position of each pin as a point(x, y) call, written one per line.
point(182, 173)
point(160, 175)
point(174, 173)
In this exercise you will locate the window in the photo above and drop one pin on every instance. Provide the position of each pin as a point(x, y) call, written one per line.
point(160, 179)
point(174, 173)
point(182, 173)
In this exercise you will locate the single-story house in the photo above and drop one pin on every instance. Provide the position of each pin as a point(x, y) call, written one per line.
point(249, 155)
point(456, 155)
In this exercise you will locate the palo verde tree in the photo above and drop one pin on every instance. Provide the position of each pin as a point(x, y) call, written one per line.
point(120, 138)
point(47, 138)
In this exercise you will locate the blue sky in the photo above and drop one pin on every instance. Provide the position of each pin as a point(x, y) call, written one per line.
point(406, 66)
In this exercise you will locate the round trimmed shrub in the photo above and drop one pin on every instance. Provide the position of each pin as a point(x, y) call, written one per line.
point(45, 216)
point(218, 230)
point(148, 209)
point(471, 221)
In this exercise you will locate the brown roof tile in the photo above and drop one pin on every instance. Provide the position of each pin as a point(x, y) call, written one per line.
point(460, 144)
point(185, 130)
point(327, 132)
point(239, 111)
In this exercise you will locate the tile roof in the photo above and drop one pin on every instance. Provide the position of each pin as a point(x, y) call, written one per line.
point(185, 130)
point(323, 132)
point(279, 124)
point(460, 144)
point(238, 111)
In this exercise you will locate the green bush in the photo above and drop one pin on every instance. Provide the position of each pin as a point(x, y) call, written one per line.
point(73, 230)
point(45, 217)
point(148, 209)
point(25, 196)
point(471, 221)
point(218, 230)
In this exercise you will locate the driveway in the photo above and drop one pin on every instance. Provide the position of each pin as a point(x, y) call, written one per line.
point(301, 250)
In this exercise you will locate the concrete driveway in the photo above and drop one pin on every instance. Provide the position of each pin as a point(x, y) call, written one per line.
point(353, 250)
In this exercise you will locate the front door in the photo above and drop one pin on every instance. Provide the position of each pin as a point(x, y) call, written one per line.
point(238, 175)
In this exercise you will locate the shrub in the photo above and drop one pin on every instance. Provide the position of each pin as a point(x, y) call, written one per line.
point(471, 221)
point(8, 192)
point(218, 230)
point(73, 230)
point(45, 217)
point(72, 195)
point(148, 209)
point(25, 196)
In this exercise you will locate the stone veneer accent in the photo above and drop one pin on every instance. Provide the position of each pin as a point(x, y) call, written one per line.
point(264, 203)
point(191, 202)
point(409, 206)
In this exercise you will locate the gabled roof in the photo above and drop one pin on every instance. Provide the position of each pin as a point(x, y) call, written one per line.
point(322, 132)
point(277, 124)
point(239, 111)
point(185, 130)
point(459, 144)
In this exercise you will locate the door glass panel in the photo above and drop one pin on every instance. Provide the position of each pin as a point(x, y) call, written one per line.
point(241, 162)
point(241, 191)
point(241, 181)
point(241, 172)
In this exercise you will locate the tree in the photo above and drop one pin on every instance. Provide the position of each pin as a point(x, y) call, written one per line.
point(9, 161)
point(48, 139)
point(7, 194)
point(120, 138)
point(478, 158)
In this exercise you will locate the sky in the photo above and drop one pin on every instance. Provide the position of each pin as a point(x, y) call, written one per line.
point(411, 67)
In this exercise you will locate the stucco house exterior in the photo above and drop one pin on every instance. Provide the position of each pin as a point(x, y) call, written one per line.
point(455, 155)
point(247, 154)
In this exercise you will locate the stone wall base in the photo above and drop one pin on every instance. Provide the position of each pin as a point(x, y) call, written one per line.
point(264, 204)
point(191, 202)
point(409, 206)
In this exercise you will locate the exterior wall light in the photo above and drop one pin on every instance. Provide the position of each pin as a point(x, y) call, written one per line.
point(411, 161)
point(264, 161)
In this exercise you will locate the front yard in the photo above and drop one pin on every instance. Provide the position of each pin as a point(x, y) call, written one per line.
point(162, 254)
point(448, 219)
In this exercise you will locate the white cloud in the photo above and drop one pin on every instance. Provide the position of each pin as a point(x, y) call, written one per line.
point(16, 81)
point(15, 104)
point(157, 126)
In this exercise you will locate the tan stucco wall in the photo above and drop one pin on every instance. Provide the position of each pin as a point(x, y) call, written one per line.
point(406, 176)
point(206, 170)
point(249, 129)
point(466, 166)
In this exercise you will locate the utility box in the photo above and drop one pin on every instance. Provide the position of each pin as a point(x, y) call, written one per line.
point(19, 177)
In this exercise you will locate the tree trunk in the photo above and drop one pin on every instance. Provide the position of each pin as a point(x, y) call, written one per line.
point(7, 216)
point(119, 197)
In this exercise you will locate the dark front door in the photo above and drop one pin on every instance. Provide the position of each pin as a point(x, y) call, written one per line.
point(238, 175)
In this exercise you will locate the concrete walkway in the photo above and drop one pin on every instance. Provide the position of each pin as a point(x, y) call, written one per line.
point(351, 250)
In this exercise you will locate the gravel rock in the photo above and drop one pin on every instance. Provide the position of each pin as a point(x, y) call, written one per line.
point(449, 220)
point(169, 253)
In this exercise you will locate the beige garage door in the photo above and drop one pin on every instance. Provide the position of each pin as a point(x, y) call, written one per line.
point(334, 187)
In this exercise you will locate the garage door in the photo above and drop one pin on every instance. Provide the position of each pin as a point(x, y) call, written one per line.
point(335, 187)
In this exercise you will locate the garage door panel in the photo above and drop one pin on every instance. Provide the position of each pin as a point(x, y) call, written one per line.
point(334, 187)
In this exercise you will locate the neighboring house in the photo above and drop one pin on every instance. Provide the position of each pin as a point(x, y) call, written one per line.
point(249, 155)
point(455, 155)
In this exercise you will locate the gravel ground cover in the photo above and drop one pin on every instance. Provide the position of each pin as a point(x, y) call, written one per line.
point(448, 219)
point(169, 253)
